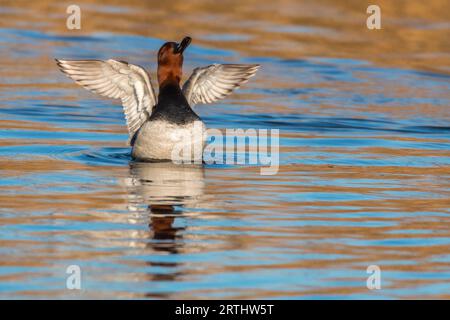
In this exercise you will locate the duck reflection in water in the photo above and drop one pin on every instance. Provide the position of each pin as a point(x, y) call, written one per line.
point(161, 187)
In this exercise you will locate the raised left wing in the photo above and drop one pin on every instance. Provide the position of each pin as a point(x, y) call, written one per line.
point(117, 80)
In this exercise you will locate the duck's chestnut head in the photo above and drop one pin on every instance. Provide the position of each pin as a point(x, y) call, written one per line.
point(170, 60)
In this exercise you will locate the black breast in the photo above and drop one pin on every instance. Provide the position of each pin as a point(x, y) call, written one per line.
point(173, 107)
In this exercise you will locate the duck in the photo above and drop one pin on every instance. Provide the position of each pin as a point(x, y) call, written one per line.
point(163, 126)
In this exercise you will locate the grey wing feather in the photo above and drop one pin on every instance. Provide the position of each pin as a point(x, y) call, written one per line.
point(214, 82)
point(117, 80)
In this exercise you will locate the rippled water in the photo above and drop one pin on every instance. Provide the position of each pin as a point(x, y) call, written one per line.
point(364, 156)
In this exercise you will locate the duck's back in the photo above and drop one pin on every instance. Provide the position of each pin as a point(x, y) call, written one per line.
point(172, 124)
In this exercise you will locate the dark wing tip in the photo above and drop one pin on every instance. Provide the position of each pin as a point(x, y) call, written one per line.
point(255, 66)
point(59, 63)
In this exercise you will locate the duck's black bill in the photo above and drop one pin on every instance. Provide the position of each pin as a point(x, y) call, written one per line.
point(183, 45)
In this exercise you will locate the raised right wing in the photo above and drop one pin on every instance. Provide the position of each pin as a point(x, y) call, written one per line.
point(118, 80)
point(214, 82)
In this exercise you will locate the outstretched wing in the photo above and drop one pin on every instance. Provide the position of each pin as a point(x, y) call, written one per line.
point(214, 82)
point(118, 80)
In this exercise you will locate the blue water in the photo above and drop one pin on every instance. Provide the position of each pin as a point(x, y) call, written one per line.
point(363, 180)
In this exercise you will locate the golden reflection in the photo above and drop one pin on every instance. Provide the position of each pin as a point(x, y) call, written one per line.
point(309, 207)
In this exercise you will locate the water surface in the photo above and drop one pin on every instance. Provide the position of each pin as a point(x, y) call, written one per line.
point(364, 155)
